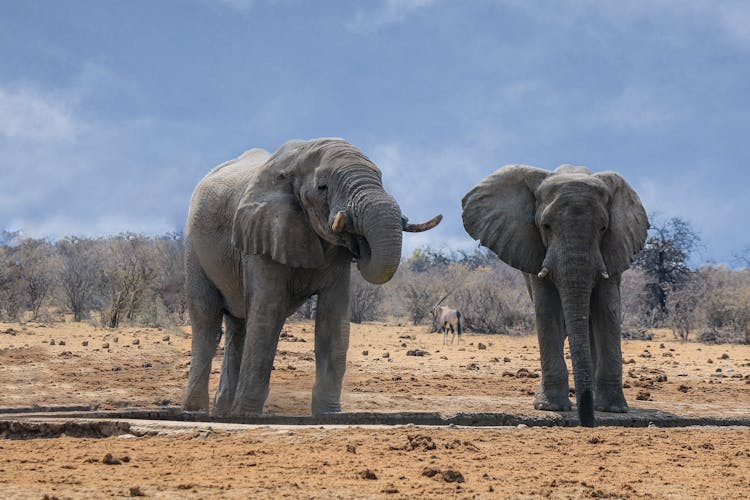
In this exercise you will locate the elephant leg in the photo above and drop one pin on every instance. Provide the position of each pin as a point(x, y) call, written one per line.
point(331, 345)
point(205, 308)
point(552, 393)
point(234, 342)
point(267, 304)
point(606, 346)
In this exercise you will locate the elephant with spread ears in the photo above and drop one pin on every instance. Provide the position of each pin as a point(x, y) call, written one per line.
point(573, 232)
point(264, 233)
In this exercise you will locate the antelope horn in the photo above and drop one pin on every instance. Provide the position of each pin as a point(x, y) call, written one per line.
point(440, 301)
point(338, 222)
point(425, 226)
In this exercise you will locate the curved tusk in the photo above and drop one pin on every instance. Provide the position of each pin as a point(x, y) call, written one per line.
point(605, 275)
point(543, 273)
point(425, 226)
point(338, 222)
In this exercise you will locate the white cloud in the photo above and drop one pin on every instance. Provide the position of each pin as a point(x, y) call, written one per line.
point(635, 108)
point(241, 6)
point(28, 115)
point(387, 13)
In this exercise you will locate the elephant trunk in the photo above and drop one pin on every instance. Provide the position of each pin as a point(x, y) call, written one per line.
point(378, 219)
point(574, 279)
point(575, 303)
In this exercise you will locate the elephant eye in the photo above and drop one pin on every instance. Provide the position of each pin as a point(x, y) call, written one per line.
point(322, 187)
point(546, 226)
point(603, 229)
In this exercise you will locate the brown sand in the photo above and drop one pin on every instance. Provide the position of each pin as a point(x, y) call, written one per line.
point(113, 371)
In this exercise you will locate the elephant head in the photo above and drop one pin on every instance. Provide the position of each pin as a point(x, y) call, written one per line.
point(570, 226)
point(313, 194)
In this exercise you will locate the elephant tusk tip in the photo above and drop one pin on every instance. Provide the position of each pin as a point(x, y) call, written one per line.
point(543, 273)
point(426, 226)
point(605, 276)
point(338, 223)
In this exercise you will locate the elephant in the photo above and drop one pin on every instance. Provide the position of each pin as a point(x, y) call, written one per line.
point(573, 232)
point(264, 233)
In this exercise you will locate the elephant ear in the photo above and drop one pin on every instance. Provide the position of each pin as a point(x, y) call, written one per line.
point(628, 224)
point(270, 220)
point(500, 213)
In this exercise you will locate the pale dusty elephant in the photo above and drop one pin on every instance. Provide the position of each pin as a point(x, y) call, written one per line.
point(264, 233)
point(574, 232)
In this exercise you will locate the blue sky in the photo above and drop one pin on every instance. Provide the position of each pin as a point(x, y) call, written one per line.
point(111, 112)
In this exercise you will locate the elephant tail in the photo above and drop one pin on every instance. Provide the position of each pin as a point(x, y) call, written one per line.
point(458, 321)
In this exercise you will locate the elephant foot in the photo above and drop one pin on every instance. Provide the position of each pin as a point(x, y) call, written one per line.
point(552, 399)
point(319, 408)
point(610, 401)
point(246, 409)
point(195, 403)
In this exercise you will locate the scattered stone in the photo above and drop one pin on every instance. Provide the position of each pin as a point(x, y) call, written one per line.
point(52, 342)
point(386, 355)
point(481, 346)
point(165, 338)
point(419, 442)
point(85, 343)
point(135, 491)
point(595, 440)
point(351, 448)
point(430, 472)
point(724, 356)
point(136, 342)
point(683, 388)
point(368, 474)
point(506, 360)
point(452, 476)
point(60, 342)
point(390, 490)
point(407, 337)
point(710, 361)
point(105, 345)
point(472, 366)
point(365, 353)
point(643, 396)
point(416, 352)
point(110, 460)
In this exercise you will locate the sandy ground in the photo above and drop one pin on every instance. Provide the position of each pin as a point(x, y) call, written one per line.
point(75, 364)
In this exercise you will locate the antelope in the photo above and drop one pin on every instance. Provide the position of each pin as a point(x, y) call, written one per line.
point(448, 318)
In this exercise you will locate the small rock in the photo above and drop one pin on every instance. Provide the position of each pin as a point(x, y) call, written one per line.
point(430, 472)
point(85, 343)
point(643, 396)
point(105, 345)
point(452, 476)
point(351, 448)
point(136, 342)
point(110, 460)
point(365, 353)
point(481, 346)
point(506, 360)
point(60, 342)
point(165, 338)
point(386, 355)
point(724, 356)
point(52, 342)
point(135, 491)
point(368, 474)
